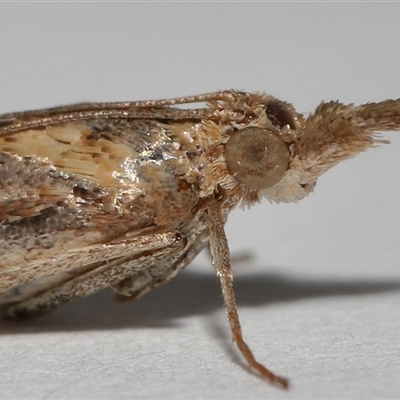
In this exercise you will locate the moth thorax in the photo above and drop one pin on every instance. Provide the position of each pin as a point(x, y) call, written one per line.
point(257, 158)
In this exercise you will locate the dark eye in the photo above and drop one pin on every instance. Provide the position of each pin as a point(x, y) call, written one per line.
point(256, 157)
point(279, 116)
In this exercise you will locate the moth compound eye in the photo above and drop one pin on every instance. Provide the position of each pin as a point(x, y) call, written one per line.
point(279, 116)
point(256, 157)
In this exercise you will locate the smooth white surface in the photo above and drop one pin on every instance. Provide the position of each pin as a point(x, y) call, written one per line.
point(320, 301)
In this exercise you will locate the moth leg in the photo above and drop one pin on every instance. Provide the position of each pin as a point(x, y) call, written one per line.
point(221, 262)
point(104, 273)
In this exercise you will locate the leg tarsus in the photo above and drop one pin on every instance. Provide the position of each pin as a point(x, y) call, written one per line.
point(221, 262)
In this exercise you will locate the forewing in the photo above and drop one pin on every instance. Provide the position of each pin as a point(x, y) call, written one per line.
point(58, 192)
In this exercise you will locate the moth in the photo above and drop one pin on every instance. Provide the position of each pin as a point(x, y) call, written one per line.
point(126, 194)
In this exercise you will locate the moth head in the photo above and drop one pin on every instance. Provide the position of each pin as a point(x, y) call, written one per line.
point(283, 155)
point(259, 155)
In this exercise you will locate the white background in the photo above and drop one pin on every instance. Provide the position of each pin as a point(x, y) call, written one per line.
point(320, 301)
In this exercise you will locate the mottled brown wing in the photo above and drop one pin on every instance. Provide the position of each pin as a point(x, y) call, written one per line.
point(79, 198)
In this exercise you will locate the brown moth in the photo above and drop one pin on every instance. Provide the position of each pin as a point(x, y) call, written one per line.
point(126, 194)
